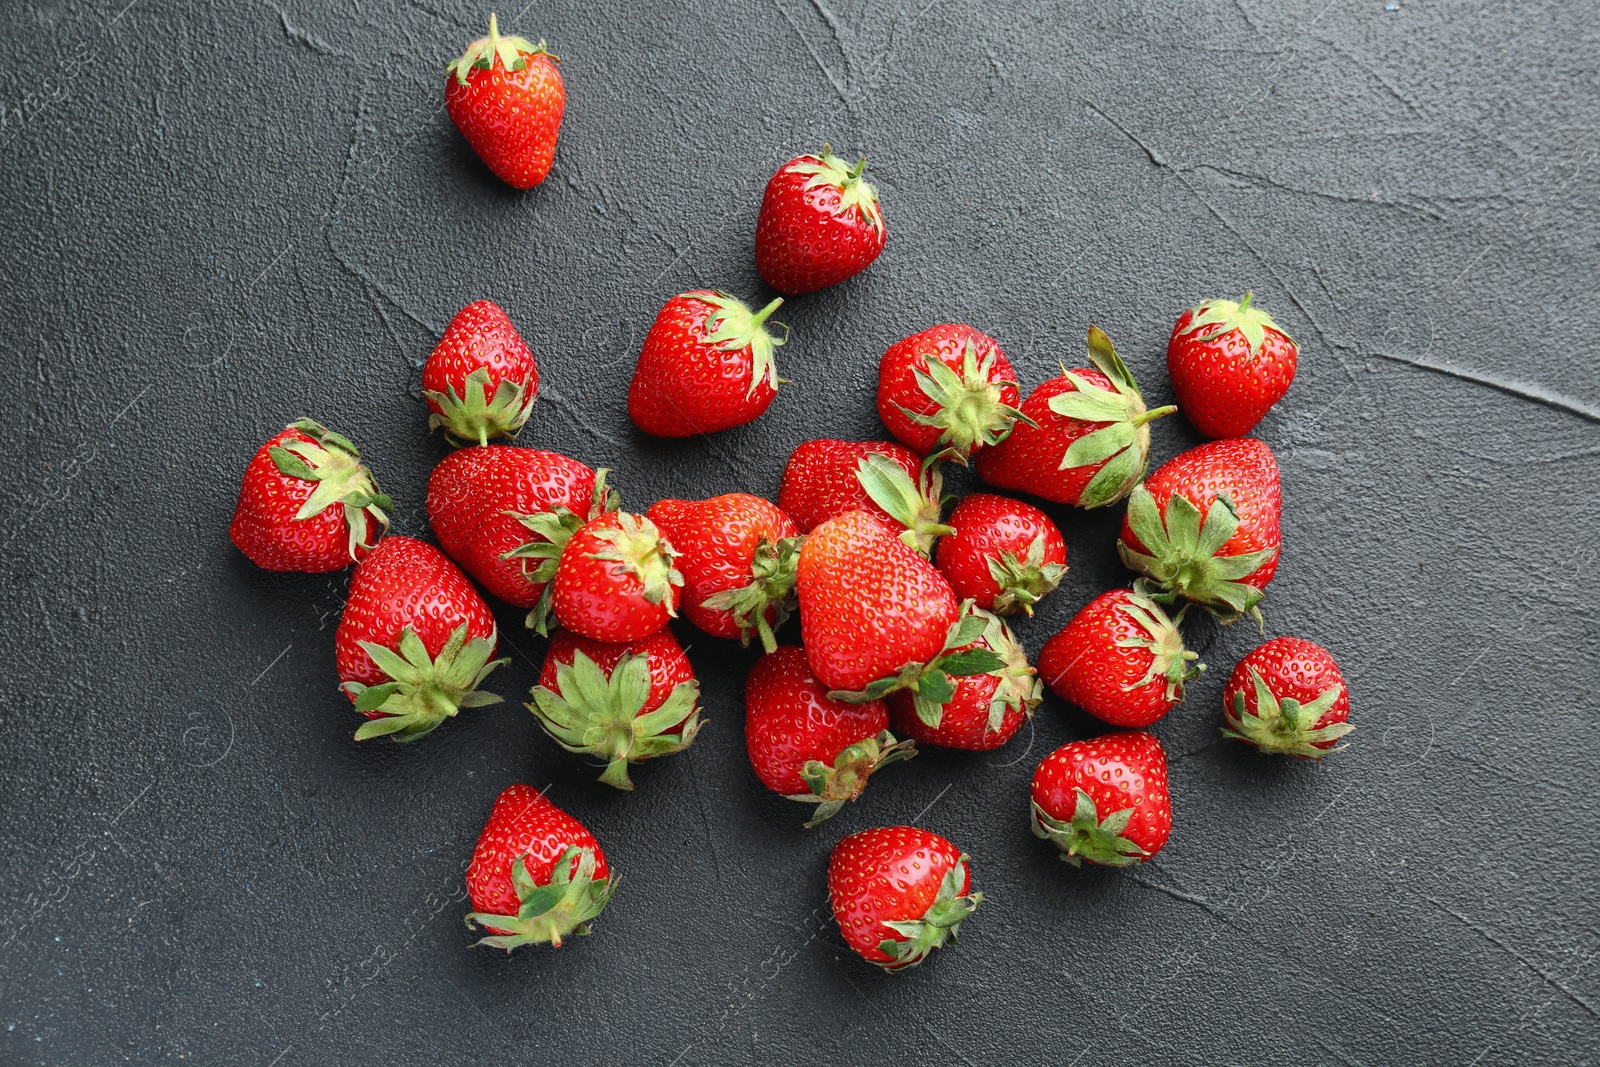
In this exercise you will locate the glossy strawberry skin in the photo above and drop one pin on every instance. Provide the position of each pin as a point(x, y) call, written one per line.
point(1029, 460)
point(523, 824)
point(1224, 387)
point(669, 667)
point(1087, 664)
point(683, 386)
point(1295, 668)
point(598, 598)
point(820, 483)
point(511, 118)
point(1118, 771)
point(716, 540)
point(898, 391)
point(265, 529)
point(887, 874)
point(987, 526)
point(790, 720)
point(803, 242)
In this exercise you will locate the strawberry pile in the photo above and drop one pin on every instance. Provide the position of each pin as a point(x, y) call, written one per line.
point(903, 603)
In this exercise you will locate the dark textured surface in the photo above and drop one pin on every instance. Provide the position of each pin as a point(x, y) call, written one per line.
point(216, 219)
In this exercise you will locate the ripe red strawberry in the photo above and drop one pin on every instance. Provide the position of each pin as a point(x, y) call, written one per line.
point(537, 874)
point(615, 580)
point(827, 478)
point(898, 893)
point(1121, 659)
point(620, 703)
point(948, 388)
point(1229, 364)
point(1287, 696)
point(505, 96)
point(737, 554)
point(706, 365)
point(1205, 527)
point(807, 745)
point(480, 381)
point(820, 223)
point(985, 710)
point(414, 642)
point(1104, 800)
point(505, 514)
point(307, 503)
point(1004, 555)
point(1090, 442)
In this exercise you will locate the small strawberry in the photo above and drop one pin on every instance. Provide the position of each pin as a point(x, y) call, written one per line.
point(820, 223)
point(537, 874)
point(1004, 555)
point(414, 642)
point(898, 893)
point(1205, 527)
point(1229, 364)
point(480, 381)
point(948, 388)
point(505, 514)
point(1088, 438)
point(1121, 659)
point(307, 504)
point(827, 478)
point(807, 745)
point(505, 96)
point(620, 703)
point(737, 554)
point(986, 709)
point(1287, 696)
point(1104, 800)
point(615, 580)
point(706, 365)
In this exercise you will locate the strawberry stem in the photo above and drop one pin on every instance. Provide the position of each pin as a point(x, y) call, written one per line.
point(1153, 414)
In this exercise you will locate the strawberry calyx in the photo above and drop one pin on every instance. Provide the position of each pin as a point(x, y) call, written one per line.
point(1284, 726)
point(1216, 319)
point(477, 415)
point(546, 913)
point(552, 530)
point(1181, 560)
point(639, 551)
point(1023, 580)
point(856, 194)
point(423, 691)
point(1086, 836)
point(333, 464)
point(915, 505)
point(1020, 689)
point(732, 326)
point(967, 406)
point(598, 716)
point(1123, 444)
point(931, 684)
point(773, 572)
point(835, 784)
point(1169, 660)
point(512, 52)
point(939, 924)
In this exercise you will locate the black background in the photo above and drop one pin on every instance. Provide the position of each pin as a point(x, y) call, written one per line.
point(219, 217)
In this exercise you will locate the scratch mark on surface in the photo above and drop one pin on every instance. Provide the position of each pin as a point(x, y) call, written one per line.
point(1177, 894)
point(833, 79)
point(1525, 391)
point(1335, 1052)
point(280, 1056)
point(307, 38)
point(932, 802)
point(129, 805)
point(271, 665)
point(1489, 936)
point(132, 402)
point(1321, 194)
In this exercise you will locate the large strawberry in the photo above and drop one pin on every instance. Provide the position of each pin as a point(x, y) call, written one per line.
point(807, 745)
point(619, 703)
point(827, 478)
point(1205, 527)
point(307, 503)
point(1090, 439)
point(506, 97)
point(615, 580)
point(415, 641)
point(1004, 554)
point(1104, 800)
point(706, 365)
point(948, 388)
point(737, 554)
point(985, 710)
point(898, 893)
point(1287, 696)
point(480, 381)
point(1121, 659)
point(537, 874)
point(820, 223)
point(1229, 364)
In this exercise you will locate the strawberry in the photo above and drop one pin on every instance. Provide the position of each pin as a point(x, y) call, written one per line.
point(1104, 800)
point(620, 703)
point(986, 709)
point(414, 642)
point(615, 580)
point(480, 381)
point(505, 96)
point(1229, 364)
point(737, 554)
point(820, 223)
point(307, 504)
point(1004, 555)
point(1121, 659)
point(1087, 441)
point(948, 388)
point(537, 874)
point(898, 893)
point(706, 365)
point(807, 745)
point(1205, 527)
point(1287, 696)
point(827, 478)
